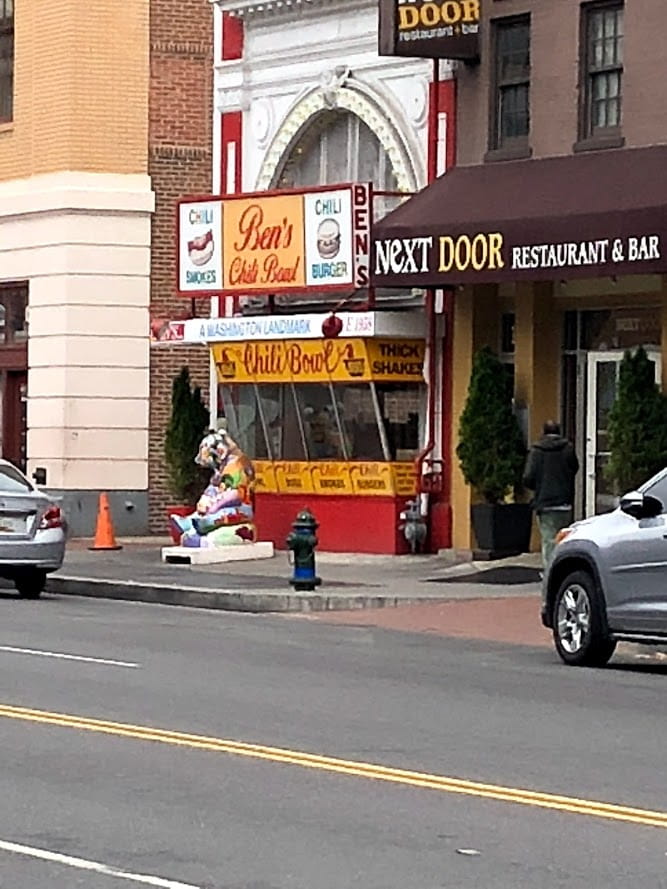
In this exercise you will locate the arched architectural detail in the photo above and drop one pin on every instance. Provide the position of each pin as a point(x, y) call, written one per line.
point(352, 98)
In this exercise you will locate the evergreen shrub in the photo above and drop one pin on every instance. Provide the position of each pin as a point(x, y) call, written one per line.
point(491, 449)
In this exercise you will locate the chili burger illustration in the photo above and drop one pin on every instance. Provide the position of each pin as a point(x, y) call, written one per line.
point(328, 238)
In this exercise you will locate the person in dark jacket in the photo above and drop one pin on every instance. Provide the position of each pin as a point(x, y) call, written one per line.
point(550, 471)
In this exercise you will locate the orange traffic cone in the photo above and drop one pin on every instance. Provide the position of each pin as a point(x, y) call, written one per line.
point(104, 533)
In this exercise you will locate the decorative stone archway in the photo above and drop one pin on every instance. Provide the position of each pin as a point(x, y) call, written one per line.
point(339, 95)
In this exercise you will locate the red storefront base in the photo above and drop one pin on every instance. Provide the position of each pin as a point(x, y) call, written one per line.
point(347, 524)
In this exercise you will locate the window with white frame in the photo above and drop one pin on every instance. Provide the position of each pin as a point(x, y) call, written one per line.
point(603, 69)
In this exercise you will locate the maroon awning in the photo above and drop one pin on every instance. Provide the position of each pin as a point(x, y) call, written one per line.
point(593, 214)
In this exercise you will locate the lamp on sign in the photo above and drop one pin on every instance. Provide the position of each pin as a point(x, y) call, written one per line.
point(331, 326)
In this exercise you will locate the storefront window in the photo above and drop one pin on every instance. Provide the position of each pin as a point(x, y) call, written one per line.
point(400, 405)
point(323, 421)
point(244, 421)
point(620, 328)
point(360, 412)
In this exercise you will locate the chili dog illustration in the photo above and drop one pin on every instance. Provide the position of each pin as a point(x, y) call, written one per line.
point(200, 249)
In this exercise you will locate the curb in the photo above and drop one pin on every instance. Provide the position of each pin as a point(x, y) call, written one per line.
point(266, 602)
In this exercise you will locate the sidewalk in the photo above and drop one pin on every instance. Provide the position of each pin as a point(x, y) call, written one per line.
point(349, 581)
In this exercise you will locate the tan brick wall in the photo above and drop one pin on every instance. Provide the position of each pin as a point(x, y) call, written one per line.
point(81, 88)
point(181, 41)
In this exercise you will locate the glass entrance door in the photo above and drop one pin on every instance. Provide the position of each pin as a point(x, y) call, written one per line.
point(601, 384)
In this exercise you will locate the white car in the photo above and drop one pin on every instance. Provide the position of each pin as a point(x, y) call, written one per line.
point(607, 581)
point(33, 533)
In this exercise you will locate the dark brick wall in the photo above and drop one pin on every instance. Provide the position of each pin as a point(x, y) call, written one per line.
point(181, 67)
point(555, 73)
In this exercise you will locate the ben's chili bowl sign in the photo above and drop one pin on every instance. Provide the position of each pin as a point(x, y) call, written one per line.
point(199, 247)
point(286, 241)
point(492, 255)
point(262, 243)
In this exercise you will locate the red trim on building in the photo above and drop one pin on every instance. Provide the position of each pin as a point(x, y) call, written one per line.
point(441, 156)
point(232, 38)
point(445, 105)
point(231, 150)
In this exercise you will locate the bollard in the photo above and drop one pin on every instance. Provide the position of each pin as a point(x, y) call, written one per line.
point(302, 541)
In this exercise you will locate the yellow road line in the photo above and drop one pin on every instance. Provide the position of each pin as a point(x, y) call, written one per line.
point(354, 768)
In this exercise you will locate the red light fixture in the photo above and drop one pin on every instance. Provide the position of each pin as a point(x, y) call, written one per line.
point(332, 326)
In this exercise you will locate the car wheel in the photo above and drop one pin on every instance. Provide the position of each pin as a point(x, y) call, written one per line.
point(30, 584)
point(578, 623)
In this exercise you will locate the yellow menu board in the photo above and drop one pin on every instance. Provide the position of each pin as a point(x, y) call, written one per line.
point(336, 478)
point(318, 361)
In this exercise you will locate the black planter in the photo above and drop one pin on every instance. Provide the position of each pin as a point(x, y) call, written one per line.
point(502, 529)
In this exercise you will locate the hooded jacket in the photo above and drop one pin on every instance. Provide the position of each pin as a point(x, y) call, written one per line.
point(550, 470)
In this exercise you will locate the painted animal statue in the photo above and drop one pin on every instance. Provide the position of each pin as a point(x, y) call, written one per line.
point(224, 515)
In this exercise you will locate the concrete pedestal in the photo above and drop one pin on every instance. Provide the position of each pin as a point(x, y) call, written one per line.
point(185, 555)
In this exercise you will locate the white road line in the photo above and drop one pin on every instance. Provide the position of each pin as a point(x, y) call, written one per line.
point(11, 649)
point(95, 866)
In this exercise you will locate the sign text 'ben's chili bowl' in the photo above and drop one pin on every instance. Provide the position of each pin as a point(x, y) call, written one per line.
point(495, 256)
point(280, 242)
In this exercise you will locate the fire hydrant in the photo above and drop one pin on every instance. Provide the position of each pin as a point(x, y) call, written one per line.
point(302, 541)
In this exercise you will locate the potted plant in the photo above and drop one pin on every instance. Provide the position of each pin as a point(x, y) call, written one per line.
point(187, 425)
point(637, 425)
point(492, 454)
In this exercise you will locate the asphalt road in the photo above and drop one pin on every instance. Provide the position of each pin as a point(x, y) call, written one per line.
point(187, 749)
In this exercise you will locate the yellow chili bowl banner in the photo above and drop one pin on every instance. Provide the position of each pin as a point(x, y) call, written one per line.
point(336, 478)
point(292, 478)
point(395, 360)
point(319, 361)
point(331, 478)
point(265, 477)
point(404, 479)
point(372, 478)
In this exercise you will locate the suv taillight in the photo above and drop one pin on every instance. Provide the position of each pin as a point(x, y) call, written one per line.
point(52, 518)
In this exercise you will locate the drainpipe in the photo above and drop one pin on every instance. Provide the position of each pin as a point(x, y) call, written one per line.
point(430, 293)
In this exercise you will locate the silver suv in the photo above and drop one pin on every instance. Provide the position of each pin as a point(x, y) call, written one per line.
point(607, 581)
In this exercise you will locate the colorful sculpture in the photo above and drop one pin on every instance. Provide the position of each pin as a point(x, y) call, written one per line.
point(224, 515)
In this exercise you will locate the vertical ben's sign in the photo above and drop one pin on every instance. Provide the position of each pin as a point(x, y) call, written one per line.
point(430, 28)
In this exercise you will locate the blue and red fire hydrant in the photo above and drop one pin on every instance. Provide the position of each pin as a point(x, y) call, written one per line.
point(302, 541)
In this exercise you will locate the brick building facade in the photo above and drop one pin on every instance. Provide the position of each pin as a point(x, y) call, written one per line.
point(179, 162)
point(105, 119)
point(551, 233)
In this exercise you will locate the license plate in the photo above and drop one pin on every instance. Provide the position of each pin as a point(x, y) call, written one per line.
point(12, 524)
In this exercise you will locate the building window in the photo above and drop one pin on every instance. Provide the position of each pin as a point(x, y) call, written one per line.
point(337, 147)
point(603, 70)
point(13, 321)
point(6, 59)
point(511, 94)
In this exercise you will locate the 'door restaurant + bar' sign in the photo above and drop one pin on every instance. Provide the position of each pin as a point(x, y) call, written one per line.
point(430, 28)
point(445, 259)
point(599, 214)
